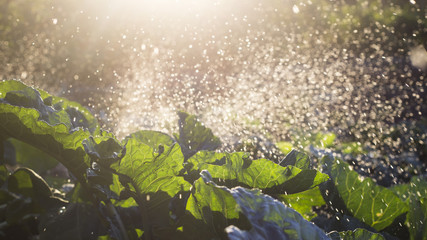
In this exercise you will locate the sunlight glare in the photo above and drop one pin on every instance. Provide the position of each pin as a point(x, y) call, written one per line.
point(165, 8)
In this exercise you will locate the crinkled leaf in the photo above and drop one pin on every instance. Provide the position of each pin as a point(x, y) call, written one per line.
point(297, 159)
point(28, 115)
point(270, 219)
point(193, 136)
point(358, 234)
point(79, 116)
point(152, 138)
point(303, 202)
point(375, 205)
point(237, 170)
point(152, 171)
point(155, 177)
point(26, 97)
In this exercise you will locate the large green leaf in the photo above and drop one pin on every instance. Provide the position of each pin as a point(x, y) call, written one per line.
point(152, 171)
point(237, 170)
point(303, 202)
point(55, 126)
point(152, 178)
point(193, 136)
point(357, 234)
point(375, 205)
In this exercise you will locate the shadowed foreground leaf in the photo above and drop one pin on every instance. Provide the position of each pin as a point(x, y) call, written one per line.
point(217, 206)
point(270, 219)
point(211, 209)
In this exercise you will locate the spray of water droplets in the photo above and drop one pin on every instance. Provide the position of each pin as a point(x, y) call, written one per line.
point(254, 68)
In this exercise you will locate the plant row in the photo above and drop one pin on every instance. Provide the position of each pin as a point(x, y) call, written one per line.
point(63, 177)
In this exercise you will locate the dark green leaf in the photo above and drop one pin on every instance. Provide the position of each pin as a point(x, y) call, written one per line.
point(27, 195)
point(74, 222)
point(28, 184)
point(104, 149)
point(6, 196)
point(31, 157)
point(4, 173)
point(193, 136)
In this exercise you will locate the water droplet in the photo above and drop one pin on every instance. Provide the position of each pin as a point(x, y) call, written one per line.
point(295, 9)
